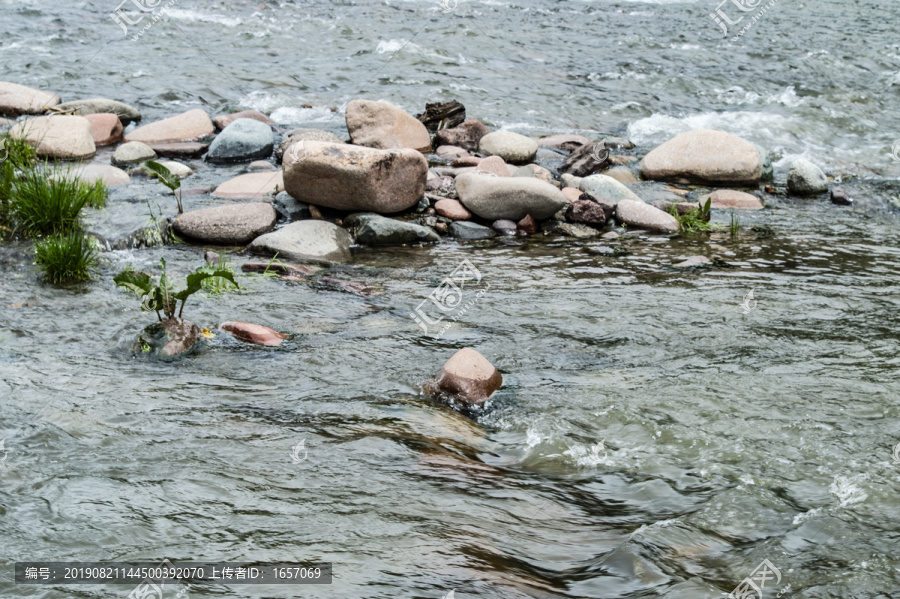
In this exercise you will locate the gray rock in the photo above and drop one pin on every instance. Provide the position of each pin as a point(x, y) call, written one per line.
point(602, 186)
point(469, 231)
point(567, 180)
point(133, 152)
point(234, 224)
point(126, 113)
point(211, 257)
point(840, 197)
point(167, 339)
point(306, 241)
point(768, 171)
point(575, 230)
point(244, 139)
point(504, 227)
point(510, 198)
point(301, 134)
point(290, 207)
point(805, 178)
point(513, 148)
point(639, 214)
point(374, 229)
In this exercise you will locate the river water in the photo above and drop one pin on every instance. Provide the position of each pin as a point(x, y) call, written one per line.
point(660, 432)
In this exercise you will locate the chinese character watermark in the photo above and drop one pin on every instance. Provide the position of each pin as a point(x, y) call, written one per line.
point(145, 8)
point(752, 586)
point(749, 304)
point(446, 300)
point(150, 590)
point(895, 454)
point(895, 152)
point(3, 449)
point(297, 449)
point(448, 6)
point(450, 595)
point(743, 6)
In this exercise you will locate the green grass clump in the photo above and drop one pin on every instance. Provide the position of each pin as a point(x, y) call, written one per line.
point(45, 205)
point(217, 285)
point(694, 221)
point(15, 155)
point(66, 258)
point(734, 226)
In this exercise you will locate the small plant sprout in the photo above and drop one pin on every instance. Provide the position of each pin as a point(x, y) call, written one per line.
point(693, 221)
point(168, 179)
point(734, 226)
point(162, 296)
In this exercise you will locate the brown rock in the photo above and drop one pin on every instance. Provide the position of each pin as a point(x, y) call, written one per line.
point(609, 206)
point(731, 199)
point(450, 152)
point(383, 126)
point(587, 212)
point(234, 224)
point(527, 225)
point(106, 128)
point(468, 376)
point(185, 149)
point(467, 161)
point(254, 333)
point(571, 193)
point(452, 209)
point(353, 178)
point(63, 137)
point(188, 126)
point(18, 99)
point(465, 136)
point(223, 120)
point(494, 165)
point(252, 186)
point(704, 156)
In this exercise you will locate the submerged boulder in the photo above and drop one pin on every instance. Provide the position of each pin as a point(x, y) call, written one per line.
point(806, 179)
point(374, 229)
point(167, 339)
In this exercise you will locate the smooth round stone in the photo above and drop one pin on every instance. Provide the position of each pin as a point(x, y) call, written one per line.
point(252, 186)
point(133, 152)
point(177, 169)
point(513, 148)
point(731, 199)
point(468, 375)
point(110, 175)
point(384, 126)
point(188, 126)
point(608, 188)
point(223, 120)
point(106, 128)
point(469, 231)
point(262, 165)
point(452, 209)
point(244, 139)
point(126, 113)
point(704, 156)
point(510, 198)
point(18, 99)
point(234, 224)
point(306, 240)
point(374, 229)
point(504, 227)
point(254, 333)
point(493, 165)
point(639, 214)
point(805, 178)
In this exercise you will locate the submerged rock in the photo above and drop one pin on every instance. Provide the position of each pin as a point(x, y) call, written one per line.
point(18, 99)
point(348, 177)
point(126, 113)
point(694, 261)
point(235, 224)
point(167, 339)
point(374, 229)
point(805, 178)
point(306, 240)
point(704, 156)
point(510, 198)
point(468, 376)
point(254, 333)
point(468, 231)
point(244, 139)
point(514, 148)
point(62, 137)
point(383, 126)
point(840, 197)
point(188, 126)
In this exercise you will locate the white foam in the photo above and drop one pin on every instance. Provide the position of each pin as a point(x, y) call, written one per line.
point(203, 17)
point(290, 115)
point(588, 456)
point(847, 491)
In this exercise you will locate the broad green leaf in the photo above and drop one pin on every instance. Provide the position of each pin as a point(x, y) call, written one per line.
point(136, 281)
point(195, 280)
point(165, 175)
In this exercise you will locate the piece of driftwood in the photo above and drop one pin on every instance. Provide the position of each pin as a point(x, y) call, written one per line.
point(442, 115)
point(588, 159)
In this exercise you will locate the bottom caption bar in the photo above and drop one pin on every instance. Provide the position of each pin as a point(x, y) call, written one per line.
point(183, 572)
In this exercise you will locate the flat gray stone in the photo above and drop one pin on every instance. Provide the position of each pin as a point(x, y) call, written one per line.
point(244, 139)
point(133, 152)
point(126, 113)
point(306, 241)
point(603, 186)
point(511, 198)
point(469, 231)
point(234, 224)
point(639, 214)
point(290, 207)
point(374, 229)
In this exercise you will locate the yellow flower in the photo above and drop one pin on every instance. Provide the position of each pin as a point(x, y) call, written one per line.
point(206, 334)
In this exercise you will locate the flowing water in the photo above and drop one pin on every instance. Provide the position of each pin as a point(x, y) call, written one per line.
point(660, 432)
